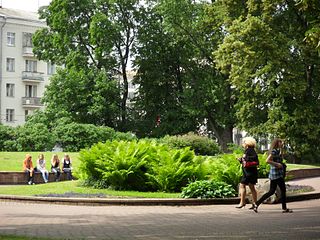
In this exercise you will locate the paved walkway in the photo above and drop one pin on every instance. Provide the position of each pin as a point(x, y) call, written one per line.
point(221, 221)
point(313, 182)
point(160, 222)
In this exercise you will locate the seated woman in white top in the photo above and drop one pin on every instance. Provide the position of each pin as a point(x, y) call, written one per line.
point(41, 167)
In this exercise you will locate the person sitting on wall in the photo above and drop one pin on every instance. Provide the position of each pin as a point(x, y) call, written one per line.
point(66, 166)
point(55, 167)
point(41, 167)
point(28, 168)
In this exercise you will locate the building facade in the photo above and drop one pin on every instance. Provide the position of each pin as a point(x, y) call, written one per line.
point(22, 77)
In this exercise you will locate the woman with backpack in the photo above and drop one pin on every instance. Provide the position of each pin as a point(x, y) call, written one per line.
point(276, 175)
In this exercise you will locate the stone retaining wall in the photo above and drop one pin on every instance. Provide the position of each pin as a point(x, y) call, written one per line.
point(9, 178)
point(303, 173)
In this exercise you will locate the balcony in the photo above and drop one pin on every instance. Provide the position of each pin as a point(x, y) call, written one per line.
point(31, 102)
point(32, 76)
point(27, 52)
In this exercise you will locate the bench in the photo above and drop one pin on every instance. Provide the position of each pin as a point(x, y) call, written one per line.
point(8, 178)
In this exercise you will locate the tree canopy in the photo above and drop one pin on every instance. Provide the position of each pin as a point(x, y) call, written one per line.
point(218, 64)
point(275, 71)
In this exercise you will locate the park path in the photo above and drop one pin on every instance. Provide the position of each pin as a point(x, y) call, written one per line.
point(160, 222)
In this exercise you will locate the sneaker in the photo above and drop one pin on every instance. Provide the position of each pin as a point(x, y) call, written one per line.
point(287, 211)
point(29, 182)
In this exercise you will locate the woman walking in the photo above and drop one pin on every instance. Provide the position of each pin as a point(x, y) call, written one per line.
point(276, 175)
point(249, 162)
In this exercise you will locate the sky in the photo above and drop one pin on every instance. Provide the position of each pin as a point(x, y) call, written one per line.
point(27, 5)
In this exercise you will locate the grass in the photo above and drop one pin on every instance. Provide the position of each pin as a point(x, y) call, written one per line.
point(292, 166)
point(75, 187)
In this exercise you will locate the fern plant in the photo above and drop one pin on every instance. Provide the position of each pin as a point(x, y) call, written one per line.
point(174, 169)
point(140, 165)
point(119, 164)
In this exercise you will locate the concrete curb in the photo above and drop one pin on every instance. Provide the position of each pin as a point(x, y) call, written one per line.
point(303, 196)
point(143, 201)
point(120, 201)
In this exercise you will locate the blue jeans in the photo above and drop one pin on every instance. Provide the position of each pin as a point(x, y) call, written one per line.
point(56, 172)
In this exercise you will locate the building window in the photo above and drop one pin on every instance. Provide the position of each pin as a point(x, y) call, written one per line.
point(51, 68)
point(27, 40)
point(11, 39)
point(31, 66)
point(10, 90)
point(10, 64)
point(31, 91)
point(26, 115)
point(9, 115)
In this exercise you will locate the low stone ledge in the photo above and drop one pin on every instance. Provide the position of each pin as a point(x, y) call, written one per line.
point(303, 173)
point(14, 178)
point(120, 201)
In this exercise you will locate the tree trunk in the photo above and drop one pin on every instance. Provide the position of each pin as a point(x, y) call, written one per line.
point(223, 135)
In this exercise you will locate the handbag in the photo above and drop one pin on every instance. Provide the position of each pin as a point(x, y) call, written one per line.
point(247, 164)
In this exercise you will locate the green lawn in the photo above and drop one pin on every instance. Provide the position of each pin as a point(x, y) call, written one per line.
point(300, 166)
point(75, 187)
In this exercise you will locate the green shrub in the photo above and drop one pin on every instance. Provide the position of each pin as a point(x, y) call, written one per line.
point(76, 136)
point(226, 168)
point(25, 137)
point(7, 134)
point(208, 189)
point(33, 137)
point(200, 144)
point(119, 165)
point(264, 167)
point(174, 168)
point(139, 165)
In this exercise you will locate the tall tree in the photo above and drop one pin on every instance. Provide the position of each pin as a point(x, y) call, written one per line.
point(177, 76)
point(92, 40)
point(275, 71)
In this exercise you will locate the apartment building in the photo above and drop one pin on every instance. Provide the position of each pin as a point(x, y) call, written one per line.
point(22, 77)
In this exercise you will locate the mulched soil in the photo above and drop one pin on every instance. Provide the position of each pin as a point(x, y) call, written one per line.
point(291, 189)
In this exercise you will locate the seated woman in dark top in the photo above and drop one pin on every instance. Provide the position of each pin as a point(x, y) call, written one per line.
point(66, 166)
point(55, 166)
